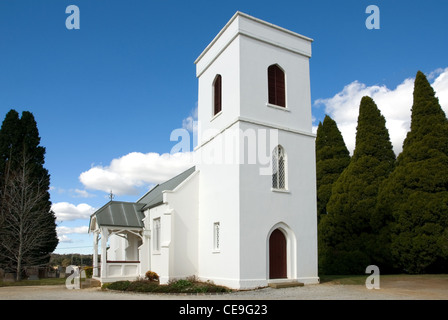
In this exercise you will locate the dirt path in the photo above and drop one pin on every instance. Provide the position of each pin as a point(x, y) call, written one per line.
point(417, 287)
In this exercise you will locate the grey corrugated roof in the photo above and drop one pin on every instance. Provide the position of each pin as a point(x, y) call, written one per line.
point(130, 214)
point(123, 214)
point(154, 197)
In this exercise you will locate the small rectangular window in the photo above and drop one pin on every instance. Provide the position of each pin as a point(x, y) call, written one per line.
point(156, 234)
point(276, 86)
point(216, 236)
point(279, 169)
point(217, 95)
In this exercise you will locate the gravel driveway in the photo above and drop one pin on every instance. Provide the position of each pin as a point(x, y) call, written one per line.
point(395, 289)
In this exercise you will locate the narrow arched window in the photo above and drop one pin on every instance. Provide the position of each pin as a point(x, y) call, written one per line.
point(279, 168)
point(276, 86)
point(217, 95)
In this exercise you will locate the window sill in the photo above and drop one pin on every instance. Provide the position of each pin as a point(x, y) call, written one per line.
point(216, 251)
point(280, 190)
point(156, 253)
point(216, 115)
point(277, 107)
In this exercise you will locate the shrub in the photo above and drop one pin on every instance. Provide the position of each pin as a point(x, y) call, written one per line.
point(89, 272)
point(189, 285)
point(118, 285)
point(151, 276)
point(181, 284)
point(143, 286)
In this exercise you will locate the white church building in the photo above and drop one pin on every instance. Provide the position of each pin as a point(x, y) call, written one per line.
point(245, 215)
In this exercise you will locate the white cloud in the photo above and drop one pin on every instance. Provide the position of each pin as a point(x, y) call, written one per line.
point(65, 211)
point(82, 194)
point(190, 123)
point(70, 230)
point(126, 174)
point(64, 239)
point(440, 85)
point(63, 232)
point(395, 105)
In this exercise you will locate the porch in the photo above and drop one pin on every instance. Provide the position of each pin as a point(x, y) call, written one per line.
point(119, 270)
point(118, 231)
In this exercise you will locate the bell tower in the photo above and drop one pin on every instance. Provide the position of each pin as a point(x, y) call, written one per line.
point(254, 92)
point(248, 57)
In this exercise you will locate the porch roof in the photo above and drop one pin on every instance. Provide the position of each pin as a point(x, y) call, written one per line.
point(130, 214)
point(119, 213)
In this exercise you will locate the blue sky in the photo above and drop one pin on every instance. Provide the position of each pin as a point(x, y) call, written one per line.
point(106, 97)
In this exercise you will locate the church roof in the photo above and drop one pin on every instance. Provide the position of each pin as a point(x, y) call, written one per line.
point(154, 197)
point(118, 213)
point(130, 214)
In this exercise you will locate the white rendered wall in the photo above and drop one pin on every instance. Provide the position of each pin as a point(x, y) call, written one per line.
point(227, 65)
point(116, 248)
point(184, 219)
point(218, 178)
point(123, 247)
point(219, 198)
point(262, 209)
point(256, 57)
point(159, 259)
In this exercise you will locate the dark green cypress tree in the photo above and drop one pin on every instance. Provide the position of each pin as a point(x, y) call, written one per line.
point(22, 167)
point(9, 141)
point(332, 157)
point(10, 136)
point(36, 154)
point(346, 238)
point(414, 199)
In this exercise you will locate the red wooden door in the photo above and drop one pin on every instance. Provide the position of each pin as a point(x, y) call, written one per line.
point(277, 255)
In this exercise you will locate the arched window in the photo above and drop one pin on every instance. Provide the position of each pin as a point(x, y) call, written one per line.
point(276, 86)
point(279, 168)
point(217, 95)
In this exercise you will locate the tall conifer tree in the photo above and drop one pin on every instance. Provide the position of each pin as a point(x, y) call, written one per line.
point(414, 199)
point(332, 157)
point(10, 137)
point(345, 233)
point(24, 180)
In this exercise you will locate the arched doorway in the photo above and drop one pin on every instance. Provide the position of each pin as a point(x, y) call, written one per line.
point(277, 255)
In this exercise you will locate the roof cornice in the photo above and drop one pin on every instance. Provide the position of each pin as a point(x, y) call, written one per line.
point(249, 17)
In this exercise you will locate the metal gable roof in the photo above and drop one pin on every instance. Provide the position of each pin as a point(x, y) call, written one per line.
point(155, 197)
point(130, 214)
point(123, 214)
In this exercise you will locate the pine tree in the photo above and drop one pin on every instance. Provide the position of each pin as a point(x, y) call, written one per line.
point(346, 238)
point(22, 169)
point(332, 157)
point(414, 199)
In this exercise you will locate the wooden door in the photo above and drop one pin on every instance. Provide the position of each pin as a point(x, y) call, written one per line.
point(277, 255)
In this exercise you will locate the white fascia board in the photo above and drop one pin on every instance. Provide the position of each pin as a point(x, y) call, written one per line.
point(243, 24)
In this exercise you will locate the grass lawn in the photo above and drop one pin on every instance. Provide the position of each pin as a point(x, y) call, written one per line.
point(40, 282)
